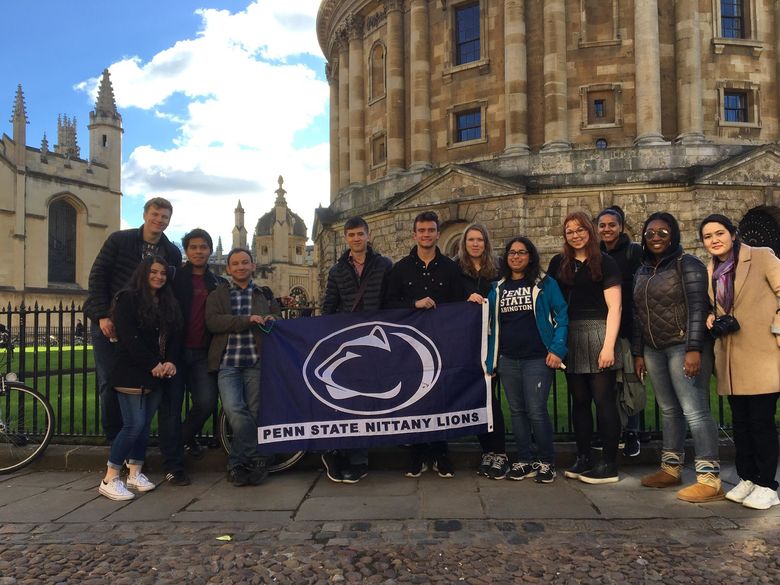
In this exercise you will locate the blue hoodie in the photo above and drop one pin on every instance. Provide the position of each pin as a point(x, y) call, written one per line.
point(550, 311)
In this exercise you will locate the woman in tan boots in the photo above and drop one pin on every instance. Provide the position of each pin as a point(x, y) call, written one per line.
point(745, 293)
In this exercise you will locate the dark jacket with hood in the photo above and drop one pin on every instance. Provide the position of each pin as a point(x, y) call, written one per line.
point(114, 265)
point(344, 283)
point(670, 302)
point(182, 290)
point(628, 256)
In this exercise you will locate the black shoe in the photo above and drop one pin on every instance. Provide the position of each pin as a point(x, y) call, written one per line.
point(194, 449)
point(239, 476)
point(545, 472)
point(484, 465)
point(632, 447)
point(602, 473)
point(443, 466)
point(259, 473)
point(581, 465)
point(330, 459)
point(417, 466)
point(354, 473)
point(177, 478)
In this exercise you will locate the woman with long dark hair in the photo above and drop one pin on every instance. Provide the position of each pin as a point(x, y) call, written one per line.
point(148, 325)
point(479, 269)
point(671, 344)
point(744, 291)
point(527, 343)
point(590, 281)
point(628, 256)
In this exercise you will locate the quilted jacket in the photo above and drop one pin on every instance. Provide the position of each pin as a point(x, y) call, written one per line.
point(670, 303)
point(343, 284)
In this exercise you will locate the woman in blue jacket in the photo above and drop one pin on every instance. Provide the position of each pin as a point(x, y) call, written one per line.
point(527, 342)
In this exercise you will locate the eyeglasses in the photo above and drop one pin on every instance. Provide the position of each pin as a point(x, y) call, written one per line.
point(513, 253)
point(662, 233)
point(578, 232)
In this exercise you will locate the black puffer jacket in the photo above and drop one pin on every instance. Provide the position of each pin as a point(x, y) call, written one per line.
point(628, 256)
point(120, 255)
point(670, 303)
point(343, 284)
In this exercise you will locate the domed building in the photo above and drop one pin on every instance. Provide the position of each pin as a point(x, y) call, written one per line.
point(517, 112)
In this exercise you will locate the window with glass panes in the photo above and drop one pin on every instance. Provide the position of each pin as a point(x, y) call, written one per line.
point(735, 106)
point(468, 125)
point(732, 19)
point(467, 39)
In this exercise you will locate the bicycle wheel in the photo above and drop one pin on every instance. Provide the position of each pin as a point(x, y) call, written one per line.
point(276, 462)
point(26, 426)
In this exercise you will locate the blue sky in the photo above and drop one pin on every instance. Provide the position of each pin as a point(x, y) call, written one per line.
point(218, 98)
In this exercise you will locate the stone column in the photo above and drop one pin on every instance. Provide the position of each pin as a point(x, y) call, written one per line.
point(357, 115)
point(515, 78)
point(648, 73)
point(343, 127)
point(331, 72)
point(396, 92)
point(420, 78)
point(556, 123)
point(777, 53)
point(690, 114)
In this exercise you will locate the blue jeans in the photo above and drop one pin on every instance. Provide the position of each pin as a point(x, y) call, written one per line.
point(683, 399)
point(137, 413)
point(169, 424)
point(527, 385)
point(202, 386)
point(110, 413)
point(239, 389)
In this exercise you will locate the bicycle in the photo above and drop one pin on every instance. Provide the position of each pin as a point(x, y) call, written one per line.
point(276, 462)
point(26, 420)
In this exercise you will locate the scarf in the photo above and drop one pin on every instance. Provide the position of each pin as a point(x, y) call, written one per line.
point(723, 281)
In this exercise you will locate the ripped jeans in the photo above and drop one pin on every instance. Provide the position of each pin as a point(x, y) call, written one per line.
point(527, 386)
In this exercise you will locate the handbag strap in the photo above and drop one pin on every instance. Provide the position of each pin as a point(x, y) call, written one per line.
point(360, 291)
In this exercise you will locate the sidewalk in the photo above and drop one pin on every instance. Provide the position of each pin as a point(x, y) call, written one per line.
point(299, 527)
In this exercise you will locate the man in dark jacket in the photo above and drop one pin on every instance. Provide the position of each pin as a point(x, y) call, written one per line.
point(422, 280)
point(191, 285)
point(355, 283)
point(118, 258)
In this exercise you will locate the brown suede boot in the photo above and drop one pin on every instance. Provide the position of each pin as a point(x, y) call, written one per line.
point(662, 478)
point(706, 489)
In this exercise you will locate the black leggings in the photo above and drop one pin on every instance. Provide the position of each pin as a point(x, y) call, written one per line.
point(495, 440)
point(599, 388)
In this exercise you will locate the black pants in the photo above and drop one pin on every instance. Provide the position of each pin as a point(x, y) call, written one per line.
point(586, 389)
point(755, 437)
point(495, 440)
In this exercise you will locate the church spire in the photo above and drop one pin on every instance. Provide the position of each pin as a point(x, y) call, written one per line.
point(19, 114)
point(105, 105)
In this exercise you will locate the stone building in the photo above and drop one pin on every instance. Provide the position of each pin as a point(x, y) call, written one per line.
point(285, 263)
point(516, 112)
point(57, 208)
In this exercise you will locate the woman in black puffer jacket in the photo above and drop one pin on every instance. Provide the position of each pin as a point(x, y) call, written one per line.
point(671, 343)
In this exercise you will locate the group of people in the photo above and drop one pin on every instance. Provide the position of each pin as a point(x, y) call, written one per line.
point(606, 310)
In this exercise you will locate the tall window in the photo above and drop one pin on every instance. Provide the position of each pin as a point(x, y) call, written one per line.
point(735, 106)
point(468, 125)
point(62, 242)
point(377, 71)
point(732, 19)
point(467, 39)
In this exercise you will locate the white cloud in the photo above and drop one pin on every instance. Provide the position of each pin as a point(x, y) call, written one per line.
point(247, 101)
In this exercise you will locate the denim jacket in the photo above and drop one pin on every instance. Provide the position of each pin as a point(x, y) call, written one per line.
point(552, 319)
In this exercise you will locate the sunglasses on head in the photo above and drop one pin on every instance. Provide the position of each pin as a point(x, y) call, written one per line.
point(662, 233)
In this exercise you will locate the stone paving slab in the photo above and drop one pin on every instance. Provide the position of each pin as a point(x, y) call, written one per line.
point(46, 506)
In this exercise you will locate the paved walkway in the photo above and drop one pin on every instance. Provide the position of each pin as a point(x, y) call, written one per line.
point(301, 528)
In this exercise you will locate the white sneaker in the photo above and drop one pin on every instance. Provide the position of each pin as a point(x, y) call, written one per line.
point(115, 490)
point(741, 491)
point(761, 498)
point(140, 482)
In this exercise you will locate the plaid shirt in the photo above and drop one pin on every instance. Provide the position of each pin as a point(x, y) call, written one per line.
point(241, 351)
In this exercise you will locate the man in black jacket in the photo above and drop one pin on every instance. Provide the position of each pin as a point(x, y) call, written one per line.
point(422, 280)
point(191, 285)
point(118, 258)
point(355, 283)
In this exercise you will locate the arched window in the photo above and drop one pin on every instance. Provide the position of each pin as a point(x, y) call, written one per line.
point(62, 242)
point(377, 67)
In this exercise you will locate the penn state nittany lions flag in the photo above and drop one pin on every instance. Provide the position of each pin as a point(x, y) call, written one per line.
point(375, 378)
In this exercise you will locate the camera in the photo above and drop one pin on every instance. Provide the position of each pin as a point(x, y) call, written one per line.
point(724, 325)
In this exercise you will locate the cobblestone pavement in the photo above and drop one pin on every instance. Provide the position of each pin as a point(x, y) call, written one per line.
point(300, 528)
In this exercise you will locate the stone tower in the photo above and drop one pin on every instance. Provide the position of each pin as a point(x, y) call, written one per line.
point(239, 231)
point(67, 141)
point(105, 133)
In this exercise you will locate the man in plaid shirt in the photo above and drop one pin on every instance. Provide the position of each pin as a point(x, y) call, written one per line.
point(236, 315)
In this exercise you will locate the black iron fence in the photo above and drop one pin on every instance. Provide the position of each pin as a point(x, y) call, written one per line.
point(50, 350)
